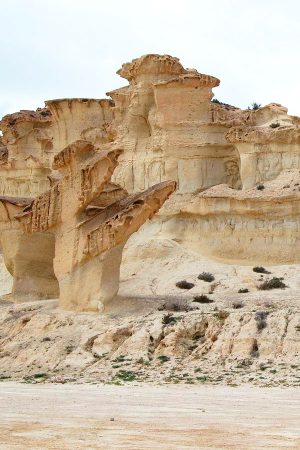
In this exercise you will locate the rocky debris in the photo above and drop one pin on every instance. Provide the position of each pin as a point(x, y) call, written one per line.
point(42, 344)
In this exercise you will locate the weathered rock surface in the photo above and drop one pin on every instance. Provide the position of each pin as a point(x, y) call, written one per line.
point(88, 246)
point(168, 128)
point(79, 177)
point(154, 331)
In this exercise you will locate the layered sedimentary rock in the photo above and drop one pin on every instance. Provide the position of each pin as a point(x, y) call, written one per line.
point(89, 237)
point(26, 155)
point(80, 118)
point(236, 170)
point(170, 129)
point(268, 148)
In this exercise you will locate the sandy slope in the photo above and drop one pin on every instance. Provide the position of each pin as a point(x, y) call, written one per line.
point(148, 417)
point(215, 343)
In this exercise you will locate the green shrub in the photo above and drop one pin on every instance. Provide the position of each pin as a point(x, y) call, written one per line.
point(168, 319)
point(126, 375)
point(254, 106)
point(184, 284)
point(243, 291)
point(260, 187)
point(206, 276)
point(202, 299)
point(260, 317)
point(69, 349)
point(274, 283)
point(274, 125)
point(259, 269)
point(163, 359)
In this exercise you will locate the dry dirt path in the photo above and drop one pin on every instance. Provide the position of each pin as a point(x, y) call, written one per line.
point(148, 417)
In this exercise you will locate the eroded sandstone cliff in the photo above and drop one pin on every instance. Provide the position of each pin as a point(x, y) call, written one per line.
point(168, 128)
point(79, 177)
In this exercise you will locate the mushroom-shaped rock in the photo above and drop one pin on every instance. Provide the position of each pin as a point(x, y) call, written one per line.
point(29, 259)
point(90, 238)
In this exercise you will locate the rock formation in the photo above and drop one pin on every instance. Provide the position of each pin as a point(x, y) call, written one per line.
point(237, 175)
point(25, 166)
point(171, 129)
point(89, 238)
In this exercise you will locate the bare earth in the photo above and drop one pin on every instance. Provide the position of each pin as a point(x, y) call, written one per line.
point(148, 417)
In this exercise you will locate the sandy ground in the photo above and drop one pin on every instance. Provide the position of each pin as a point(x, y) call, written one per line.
point(148, 417)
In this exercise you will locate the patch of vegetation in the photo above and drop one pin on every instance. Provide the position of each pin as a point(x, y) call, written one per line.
point(184, 284)
point(176, 307)
point(202, 299)
point(274, 283)
point(260, 317)
point(69, 349)
point(260, 187)
point(243, 291)
point(275, 125)
point(222, 314)
point(215, 100)
point(206, 276)
point(163, 359)
point(168, 319)
point(120, 359)
point(259, 269)
point(40, 375)
point(254, 106)
point(126, 375)
point(4, 377)
point(46, 339)
point(143, 361)
point(36, 376)
point(202, 379)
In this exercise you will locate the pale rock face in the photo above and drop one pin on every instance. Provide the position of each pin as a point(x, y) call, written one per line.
point(89, 243)
point(169, 128)
point(162, 126)
point(80, 118)
point(268, 148)
point(26, 154)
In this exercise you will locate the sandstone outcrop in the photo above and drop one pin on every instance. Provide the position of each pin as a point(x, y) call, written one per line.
point(25, 167)
point(27, 153)
point(88, 246)
point(236, 171)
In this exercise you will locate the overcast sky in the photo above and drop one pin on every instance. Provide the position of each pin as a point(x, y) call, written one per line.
point(72, 48)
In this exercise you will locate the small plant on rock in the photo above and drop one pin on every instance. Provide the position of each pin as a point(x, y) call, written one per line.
point(126, 375)
point(254, 106)
point(275, 125)
point(184, 284)
point(163, 359)
point(260, 317)
point(69, 349)
point(202, 299)
point(206, 276)
point(259, 269)
point(260, 187)
point(274, 283)
point(168, 319)
point(243, 291)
